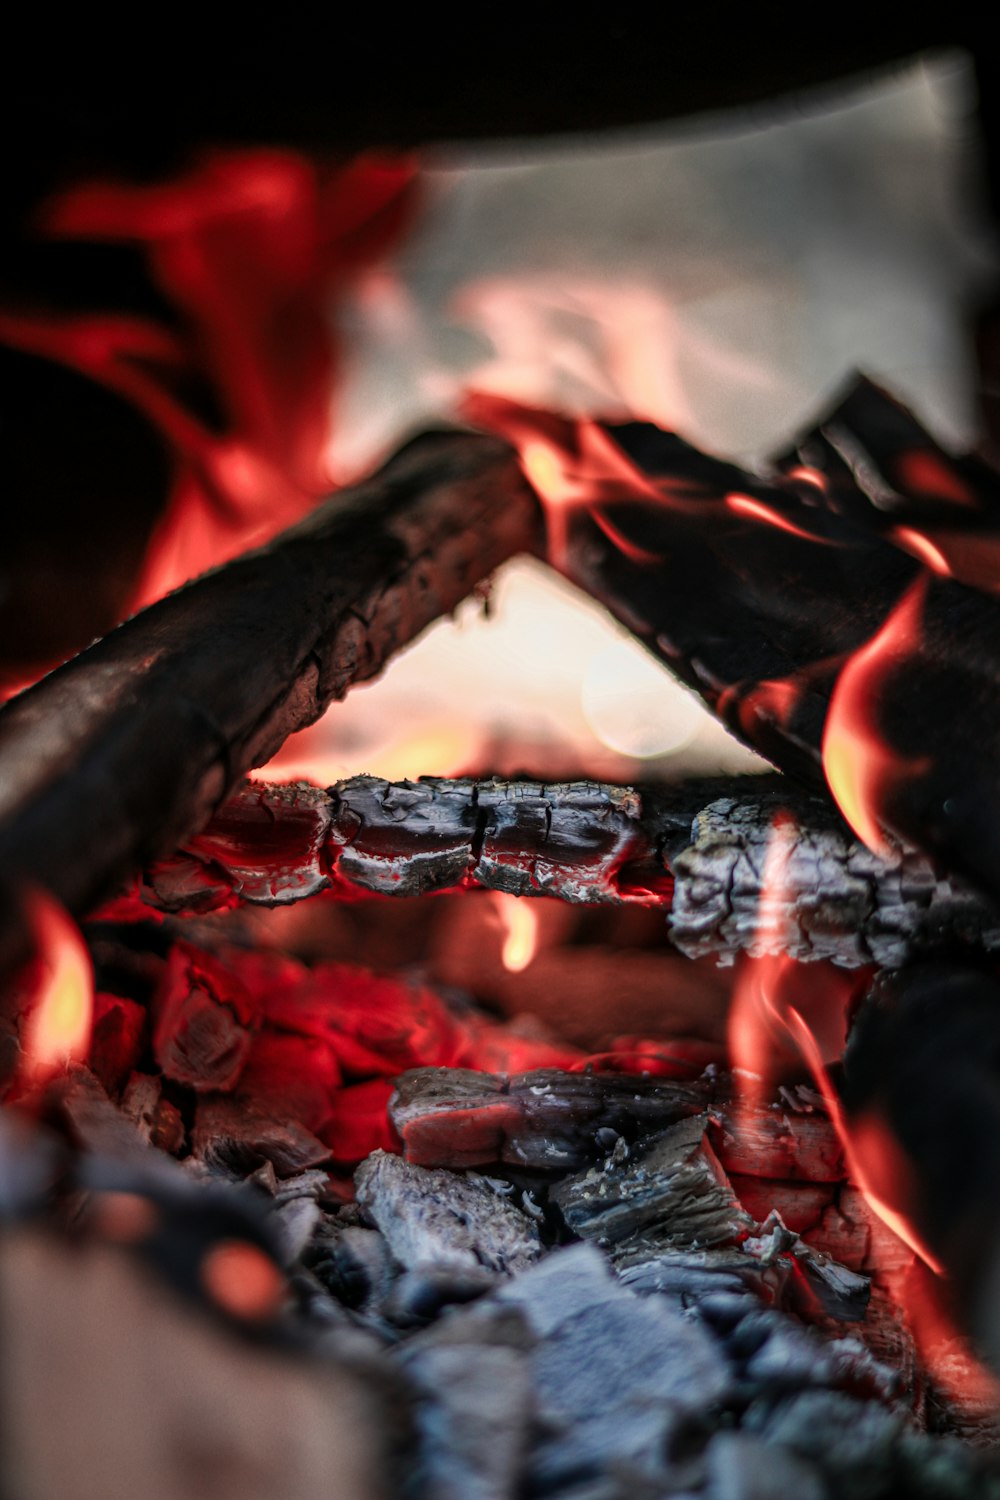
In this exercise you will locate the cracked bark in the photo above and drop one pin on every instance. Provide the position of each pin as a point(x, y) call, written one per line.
point(113, 759)
point(706, 851)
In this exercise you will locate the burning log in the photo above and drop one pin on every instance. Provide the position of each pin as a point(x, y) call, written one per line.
point(549, 1119)
point(698, 850)
point(839, 615)
point(922, 1093)
point(111, 760)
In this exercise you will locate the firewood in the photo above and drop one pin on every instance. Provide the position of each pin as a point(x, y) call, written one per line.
point(112, 760)
point(757, 590)
point(698, 849)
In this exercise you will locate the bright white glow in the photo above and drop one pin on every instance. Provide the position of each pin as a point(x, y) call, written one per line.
point(634, 706)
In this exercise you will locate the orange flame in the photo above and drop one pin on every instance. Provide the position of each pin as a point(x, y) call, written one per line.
point(920, 546)
point(970, 556)
point(781, 1010)
point(248, 247)
point(756, 510)
point(57, 1029)
point(860, 766)
point(519, 922)
point(924, 473)
point(571, 466)
point(772, 987)
point(574, 464)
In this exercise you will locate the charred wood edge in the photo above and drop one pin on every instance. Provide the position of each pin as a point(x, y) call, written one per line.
point(113, 759)
point(759, 621)
point(698, 849)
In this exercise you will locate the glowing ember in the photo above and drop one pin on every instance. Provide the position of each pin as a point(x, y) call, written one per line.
point(57, 1030)
point(519, 922)
point(241, 1280)
point(861, 767)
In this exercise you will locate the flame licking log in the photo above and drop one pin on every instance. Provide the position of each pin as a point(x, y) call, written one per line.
point(113, 759)
point(921, 1099)
point(760, 617)
point(699, 851)
point(768, 594)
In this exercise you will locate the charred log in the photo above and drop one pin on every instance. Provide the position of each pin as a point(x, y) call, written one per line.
point(758, 592)
point(922, 1089)
point(698, 850)
point(115, 757)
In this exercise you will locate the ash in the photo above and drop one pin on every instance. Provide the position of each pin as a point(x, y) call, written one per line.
point(619, 1326)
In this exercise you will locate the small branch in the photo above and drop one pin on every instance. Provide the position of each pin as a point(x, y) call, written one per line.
point(699, 851)
point(113, 759)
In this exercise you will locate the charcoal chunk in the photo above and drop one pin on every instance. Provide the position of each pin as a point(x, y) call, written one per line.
point(420, 1295)
point(601, 1346)
point(740, 1466)
point(669, 1190)
point(854, 1441)
point(473, 1418)
point(440, 1218)
point(355, 1265)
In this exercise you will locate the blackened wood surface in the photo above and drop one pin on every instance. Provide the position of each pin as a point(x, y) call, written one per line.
point(922, 1072)
point(112, 759)
point(708, 852)
point(757, 591)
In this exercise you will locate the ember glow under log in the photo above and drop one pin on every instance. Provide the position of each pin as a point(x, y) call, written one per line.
point(697, 850)
point(113, 759)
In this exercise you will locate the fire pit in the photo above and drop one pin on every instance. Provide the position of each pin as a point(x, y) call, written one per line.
point(491, 1134)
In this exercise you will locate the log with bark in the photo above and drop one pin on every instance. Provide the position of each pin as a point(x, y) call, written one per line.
point(113, 759)
point(705, 851)
point(758, 591)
